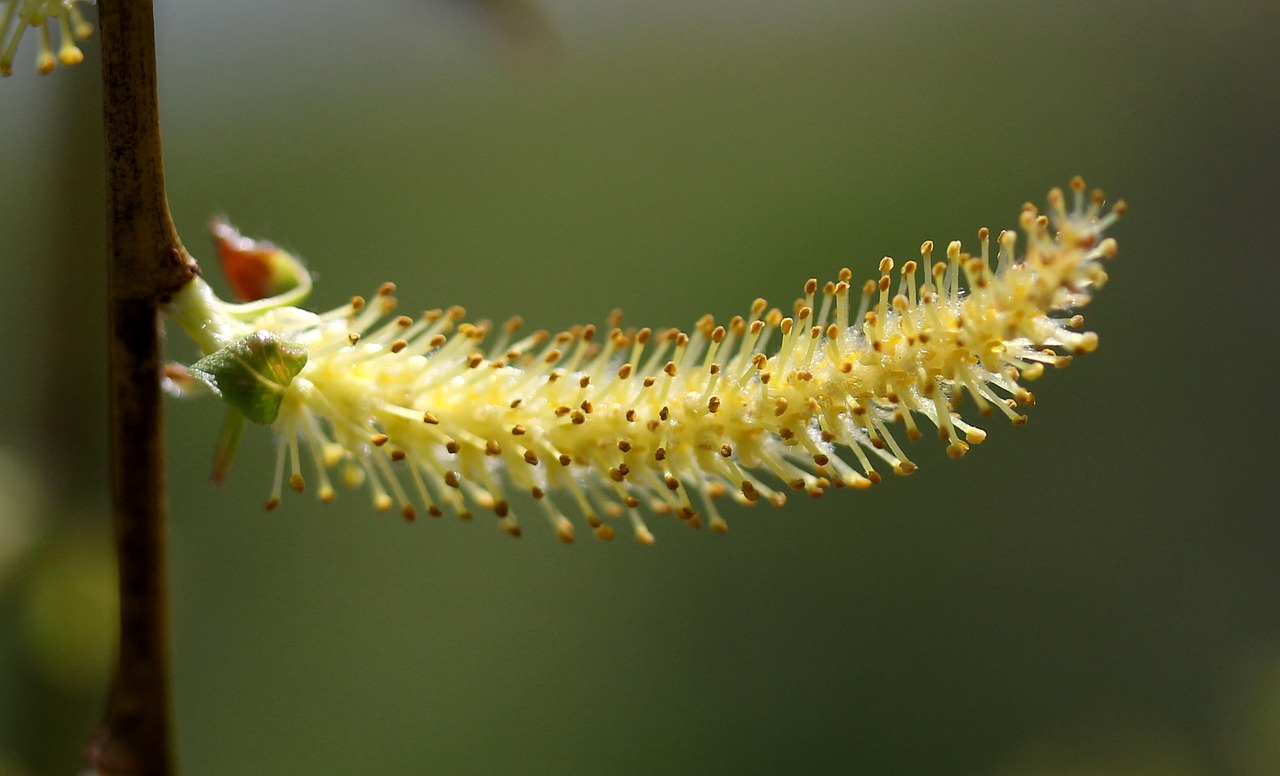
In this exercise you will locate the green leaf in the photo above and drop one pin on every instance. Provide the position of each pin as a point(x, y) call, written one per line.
point(252, 373)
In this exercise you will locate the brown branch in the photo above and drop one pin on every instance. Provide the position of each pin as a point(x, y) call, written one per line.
point(146, 262)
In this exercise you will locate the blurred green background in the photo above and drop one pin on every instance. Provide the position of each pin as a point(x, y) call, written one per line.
point(1096, 593)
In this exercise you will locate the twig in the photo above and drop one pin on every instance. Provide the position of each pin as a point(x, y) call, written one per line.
point(146, 262)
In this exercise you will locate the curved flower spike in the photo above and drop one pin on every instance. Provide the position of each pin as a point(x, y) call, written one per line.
point(36, 14)
point(606, 423)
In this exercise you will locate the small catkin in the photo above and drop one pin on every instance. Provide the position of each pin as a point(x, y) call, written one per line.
point(444, 415)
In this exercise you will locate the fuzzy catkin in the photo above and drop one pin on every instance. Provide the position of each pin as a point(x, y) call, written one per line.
point(607, 423)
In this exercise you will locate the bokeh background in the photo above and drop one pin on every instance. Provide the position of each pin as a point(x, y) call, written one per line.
point(1095, 593)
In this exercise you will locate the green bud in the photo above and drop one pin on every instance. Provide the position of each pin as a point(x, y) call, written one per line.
point(252, 373)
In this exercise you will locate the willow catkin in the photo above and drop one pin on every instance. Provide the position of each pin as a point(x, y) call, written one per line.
point(439, 414)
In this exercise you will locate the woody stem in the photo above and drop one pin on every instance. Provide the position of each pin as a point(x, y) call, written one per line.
point(146, 264)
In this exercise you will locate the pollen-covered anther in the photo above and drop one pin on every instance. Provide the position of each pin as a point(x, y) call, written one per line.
point(643, 534)
point(353, 476)
point(603, 532)
point(1087, 343)
point(564, 530)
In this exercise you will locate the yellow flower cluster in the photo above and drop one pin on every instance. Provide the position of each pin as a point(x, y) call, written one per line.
point(23, 15)
point(606, 423)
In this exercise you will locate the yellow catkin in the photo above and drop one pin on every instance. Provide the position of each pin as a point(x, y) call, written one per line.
point(429, 414)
